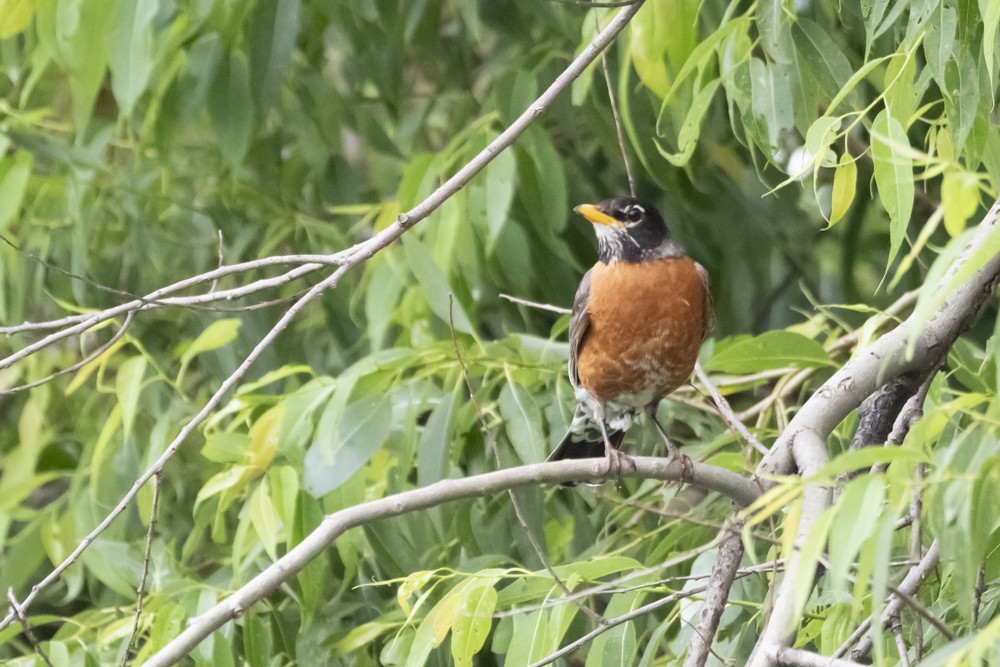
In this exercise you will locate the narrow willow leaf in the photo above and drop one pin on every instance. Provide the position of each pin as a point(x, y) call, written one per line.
point(363, 428)
point(774, 349)
point(131, 57)
point(809, 552)
point(230, 107)
point(14, 176)
point(991, 24)
point(273, 28)
point(128, 387)
point(960, 198)
point(218, 334)
point(939, 39)
point(857, 512)
point(472, 623)
point(15, 16)
point(523, 422)
point(893, 176)
point(845, 185)
point(264, 518)
point(687, 138)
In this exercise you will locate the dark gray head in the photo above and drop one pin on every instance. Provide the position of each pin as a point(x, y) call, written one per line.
point(629, 230)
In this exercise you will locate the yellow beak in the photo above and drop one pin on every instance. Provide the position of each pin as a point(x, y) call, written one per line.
point(596, 216)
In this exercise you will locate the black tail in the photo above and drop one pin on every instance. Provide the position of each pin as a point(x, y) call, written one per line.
point(579, 446)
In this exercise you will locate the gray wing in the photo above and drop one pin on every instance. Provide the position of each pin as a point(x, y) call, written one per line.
point(579, 324)
point(709, 306)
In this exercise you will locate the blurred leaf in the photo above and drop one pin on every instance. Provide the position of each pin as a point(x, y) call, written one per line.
point(774, 349)
point(273, 28)
point(132, 48)
point(14, 175)
point(856, 513)
point(15, 16)
point(128, 386)
point(960, 198)
point(523, 422)
point(230, 107)
point(893, 176)
point(490, 196)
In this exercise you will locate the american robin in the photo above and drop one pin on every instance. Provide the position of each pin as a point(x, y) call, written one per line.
point(638, 320)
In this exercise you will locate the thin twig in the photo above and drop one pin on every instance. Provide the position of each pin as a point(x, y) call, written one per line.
point(18, 610)
point(141, 588)
point(79, 364)
point(619, 130)
point(535, 304)
point(492, 441)
point(722, 405)
point(222, 260)
point(897, 633)
point(615, 622)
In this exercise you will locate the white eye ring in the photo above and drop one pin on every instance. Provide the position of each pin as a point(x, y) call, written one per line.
point(634, 213)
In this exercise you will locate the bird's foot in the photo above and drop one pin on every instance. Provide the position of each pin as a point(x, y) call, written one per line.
point(616, 460)
point(674, 454)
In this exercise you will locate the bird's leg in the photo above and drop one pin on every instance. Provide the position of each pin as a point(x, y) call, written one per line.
point(673, 452)
point(615, 457)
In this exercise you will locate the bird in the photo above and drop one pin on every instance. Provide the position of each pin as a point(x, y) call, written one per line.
point(638, 320)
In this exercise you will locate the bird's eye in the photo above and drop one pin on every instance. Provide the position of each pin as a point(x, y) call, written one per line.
point(634, 214)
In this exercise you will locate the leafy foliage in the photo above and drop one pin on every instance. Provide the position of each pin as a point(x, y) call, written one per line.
point(141, 140)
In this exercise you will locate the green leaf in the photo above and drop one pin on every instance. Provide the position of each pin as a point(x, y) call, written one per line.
point(809, 552)
point(271, 37)
point(774, 349)
point(434, 283)
point(128, 386)
point(15, 16)
point(523, 422)
point(472, 623)
point(218, 334)
point(131, 57)
point(990, 10)
point(893, 176)
point(939, 39)
point(364, 427)
point(772, 99)
point(222, 447)
point(264, 519)
point(845, 185)
point(866, 457)
point(960, 198)
point(491, 193)
point(230, 107)
point(687, 138)
point(857, 512)
point(14, 175)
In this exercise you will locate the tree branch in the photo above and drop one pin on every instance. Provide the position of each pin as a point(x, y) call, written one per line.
point(888, 357)
point(810, 455)
point(743, 491)
point(783, 655)
point(719, 584)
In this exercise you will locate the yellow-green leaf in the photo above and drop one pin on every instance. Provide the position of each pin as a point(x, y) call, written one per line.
point(893, 176)
point(960, 198)
point(845, 184)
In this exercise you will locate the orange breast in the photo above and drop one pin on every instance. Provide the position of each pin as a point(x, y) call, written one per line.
point(647, 322)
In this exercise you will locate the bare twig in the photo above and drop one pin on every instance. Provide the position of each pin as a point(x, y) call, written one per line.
point(141, 588)
point(28, 632)
point(619, 130)
point(783, 655)
point(719, 584)
point(908, 586)
point(722, 405)
point(741, 490)
point(897, 633)
point(79, 364)
point(535, 304)
point(615, 622)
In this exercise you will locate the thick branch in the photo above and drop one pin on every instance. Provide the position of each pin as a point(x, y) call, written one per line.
point(741, 490)
point(810, 455)
point(719, 585)
point(783, 655)
point(887, 357)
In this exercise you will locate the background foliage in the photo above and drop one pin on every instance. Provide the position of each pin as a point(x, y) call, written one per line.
point(809, 154)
